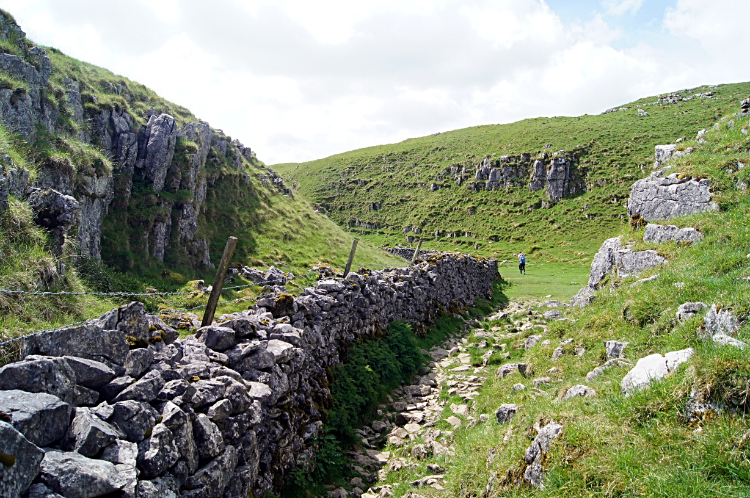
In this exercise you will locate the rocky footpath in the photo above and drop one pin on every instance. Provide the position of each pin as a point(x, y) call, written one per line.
point(406, 431)
point(123, 404)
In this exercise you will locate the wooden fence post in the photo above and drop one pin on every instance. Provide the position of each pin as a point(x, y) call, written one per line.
point(351, 258)
point(416, 253)
point(213, 299)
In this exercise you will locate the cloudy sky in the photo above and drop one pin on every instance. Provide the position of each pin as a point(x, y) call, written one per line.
point(299, 79)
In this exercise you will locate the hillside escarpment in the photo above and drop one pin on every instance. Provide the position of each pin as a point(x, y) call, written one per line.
point(139, 168)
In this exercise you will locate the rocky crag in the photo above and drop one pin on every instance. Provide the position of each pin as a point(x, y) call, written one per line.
point(161, 165)
point(121, 404)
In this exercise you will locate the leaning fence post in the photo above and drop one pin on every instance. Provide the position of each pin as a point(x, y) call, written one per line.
point(213, 299)
point(351, 258)
point(416, 253)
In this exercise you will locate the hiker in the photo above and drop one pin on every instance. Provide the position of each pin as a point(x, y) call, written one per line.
point(522, 263)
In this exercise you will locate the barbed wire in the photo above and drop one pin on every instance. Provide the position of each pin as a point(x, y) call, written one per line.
point(202, 293)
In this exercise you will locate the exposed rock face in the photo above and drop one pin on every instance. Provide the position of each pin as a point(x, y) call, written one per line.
point(137, 153)
point(613, 258)
point(556, 172)
point(13, 181)
point(226, 414)
point(537, 452)
point(56, 212)
point(670, 233)
point(661, 198)
point(663, 153)
point(159, 142)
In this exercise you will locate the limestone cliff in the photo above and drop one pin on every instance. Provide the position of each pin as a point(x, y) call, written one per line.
point(152, 194)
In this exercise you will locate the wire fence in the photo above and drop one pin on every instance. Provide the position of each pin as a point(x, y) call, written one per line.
point(200, 293)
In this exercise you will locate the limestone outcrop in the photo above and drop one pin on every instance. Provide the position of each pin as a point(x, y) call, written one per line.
point(661, 198)
point(121, 404)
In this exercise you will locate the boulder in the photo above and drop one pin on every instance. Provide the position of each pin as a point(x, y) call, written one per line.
point(216, 337)
point(630, 263)
point(663, 153)
point(134, 419)
point(210, 480)
point(157, 452)
point(536, 454)
point(177, 421)
point(43, 375)
point(662, 198)
point(653, 367)
point(42, 418)
point(720, 321)
point(76, 476)
point(207, 437)
point(138, 360)
point(90, 373)
point(506, 412)
point(19, 461)
point(83, 341)
point(615, 348)
point(579, 390)
point(145, 389)
point(670, 233)
point(687, 311)
point(161, 487)
point(88, 434)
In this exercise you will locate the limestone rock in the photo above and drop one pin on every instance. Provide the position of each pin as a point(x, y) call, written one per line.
point(210, 480)
point(88, 434)
point(138, 360)
point(158, 452)
point(54, 211)
point(506, 412)
point(720, 321)
point(579, 390)
point(21, 461)
point(76, 476)
point(663, 198)
point(653, 367)
point(83, 341)
point(615, 348)
point(216, 338)
point(687, 311)
point(630, 263)
point(670, 233)
point(90, 373)
point(134, 419)
point(161, 136)
point(537, 452)
point(44, 375)
point(42, 418)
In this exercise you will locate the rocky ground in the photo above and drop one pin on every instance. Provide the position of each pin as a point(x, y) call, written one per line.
point(412, 424)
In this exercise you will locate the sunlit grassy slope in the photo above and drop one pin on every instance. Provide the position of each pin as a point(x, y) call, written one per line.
point(614, 150)
point(612, 445)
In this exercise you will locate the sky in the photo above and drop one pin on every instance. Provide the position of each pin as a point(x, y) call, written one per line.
point(297, 80)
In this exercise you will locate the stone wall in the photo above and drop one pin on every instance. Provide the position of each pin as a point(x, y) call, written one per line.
point(121, 404)
point(407, 253)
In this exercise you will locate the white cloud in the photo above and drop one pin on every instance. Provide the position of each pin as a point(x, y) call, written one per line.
point(621, 7)
point(299, 80)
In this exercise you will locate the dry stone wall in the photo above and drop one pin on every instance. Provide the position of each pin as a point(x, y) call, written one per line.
point(122, 404)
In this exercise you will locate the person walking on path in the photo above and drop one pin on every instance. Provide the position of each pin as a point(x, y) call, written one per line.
point(522, 263)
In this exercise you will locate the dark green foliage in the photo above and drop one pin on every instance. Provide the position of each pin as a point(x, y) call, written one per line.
point(371, 369)
point(330, 465)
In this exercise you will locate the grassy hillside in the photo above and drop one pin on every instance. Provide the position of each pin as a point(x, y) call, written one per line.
point(613, 150)
point(273, 229)
point(647, 444)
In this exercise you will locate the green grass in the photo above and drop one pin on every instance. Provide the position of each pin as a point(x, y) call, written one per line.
point(559, 281)
point(641, 445)
point(614, 150)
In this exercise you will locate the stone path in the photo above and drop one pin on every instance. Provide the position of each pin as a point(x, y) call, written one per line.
point(406, 424)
